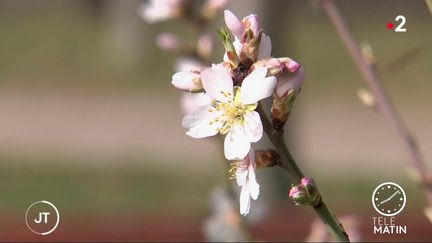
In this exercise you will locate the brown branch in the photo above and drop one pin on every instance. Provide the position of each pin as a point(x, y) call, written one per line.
point(288, 163)
point(382, 100)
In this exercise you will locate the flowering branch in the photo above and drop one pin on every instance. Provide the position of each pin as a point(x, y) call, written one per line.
point(233, 90)
point(383, 102)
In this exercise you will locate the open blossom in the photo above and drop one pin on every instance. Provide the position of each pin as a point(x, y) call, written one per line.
point(245, 177)
point(232, 111)
point(241, 31)
point(160, 10)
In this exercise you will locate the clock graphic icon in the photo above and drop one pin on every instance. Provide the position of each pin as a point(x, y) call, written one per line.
point(388, 199)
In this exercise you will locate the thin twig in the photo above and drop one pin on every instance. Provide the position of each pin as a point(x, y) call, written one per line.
point(288, 163)
point(429, 5)
point(382, 100)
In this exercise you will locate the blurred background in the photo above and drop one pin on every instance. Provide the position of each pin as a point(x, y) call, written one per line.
point(90, 122)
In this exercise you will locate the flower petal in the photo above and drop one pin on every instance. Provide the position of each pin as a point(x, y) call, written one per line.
point(187, 81)
point(191, 102)
point(237, 144)
point(200, 123)
point(264, 50)
point(257, 86)
point(242, 168)
point(289, 81)
point(251, 22)
point(252, 185)
point(217, 82)
point(253, 126)
point(233, 24)
point(245, 201)
point(241, 175)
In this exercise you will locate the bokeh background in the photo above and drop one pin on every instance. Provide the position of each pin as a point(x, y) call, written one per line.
point(90, 121)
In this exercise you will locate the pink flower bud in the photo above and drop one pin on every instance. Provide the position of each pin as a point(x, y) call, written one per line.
point(289, 64)
point(292, 66)
point(167, 41)
point(289, 81)
point(294, 192)
point(299, 196)
point(239, 28)
point(312, 190)
point(307, 181)
point(252, 22)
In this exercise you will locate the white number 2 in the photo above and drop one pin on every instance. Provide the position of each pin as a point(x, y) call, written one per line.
point(400, 27)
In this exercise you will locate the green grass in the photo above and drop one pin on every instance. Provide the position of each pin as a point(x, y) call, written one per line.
point(111, 190)
point(157, 190)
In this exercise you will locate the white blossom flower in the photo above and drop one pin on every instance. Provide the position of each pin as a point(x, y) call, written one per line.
point(232, 112)
point(160, 10)
point(245, 177)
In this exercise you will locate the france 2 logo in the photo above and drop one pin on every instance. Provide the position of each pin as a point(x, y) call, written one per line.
point(400, 27)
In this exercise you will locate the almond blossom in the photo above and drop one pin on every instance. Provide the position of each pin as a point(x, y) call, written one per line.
point(245, 177)
point(232, 111)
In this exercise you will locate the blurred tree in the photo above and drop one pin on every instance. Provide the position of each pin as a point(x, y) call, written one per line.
point(122, 41)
